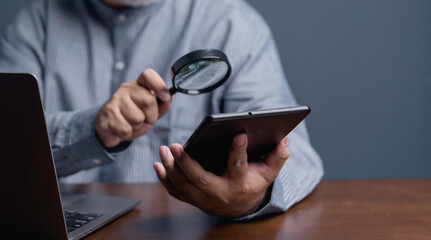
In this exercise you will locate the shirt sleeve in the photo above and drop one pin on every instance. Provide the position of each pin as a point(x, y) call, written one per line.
point(72, 136)
point(258, 82)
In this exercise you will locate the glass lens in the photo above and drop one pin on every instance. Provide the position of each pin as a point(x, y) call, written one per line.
point(201, 75)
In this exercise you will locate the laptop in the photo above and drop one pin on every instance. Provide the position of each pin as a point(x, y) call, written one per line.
point(31, 205)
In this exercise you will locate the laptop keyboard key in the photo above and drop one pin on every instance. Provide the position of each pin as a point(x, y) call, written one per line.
point(75, 220)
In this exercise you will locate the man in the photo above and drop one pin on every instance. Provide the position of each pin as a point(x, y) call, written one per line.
point(87, 53)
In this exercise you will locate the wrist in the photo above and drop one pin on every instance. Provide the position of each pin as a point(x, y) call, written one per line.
point(263, 202)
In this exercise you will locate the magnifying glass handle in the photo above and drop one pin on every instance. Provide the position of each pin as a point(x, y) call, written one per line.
point(172, 91)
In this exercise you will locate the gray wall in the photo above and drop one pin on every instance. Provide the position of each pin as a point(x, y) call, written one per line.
point(364, 67)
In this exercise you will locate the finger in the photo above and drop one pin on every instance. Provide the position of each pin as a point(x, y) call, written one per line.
point(162, 176)
point(144, 129)
point(102, 126)
point(132, 113)
point(119, 126)
point(108, 139)
point(142, 98)
point(151, 80)
point(194, 172)
point(148, 105)
point(177, 177)
point(275, 160)
point(237, 161)
point(160, 171)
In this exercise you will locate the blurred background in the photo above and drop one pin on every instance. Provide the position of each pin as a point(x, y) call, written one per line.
point(364, 68)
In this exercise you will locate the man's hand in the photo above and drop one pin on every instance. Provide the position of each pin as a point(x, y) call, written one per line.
point(236, 193)
point(132, 109)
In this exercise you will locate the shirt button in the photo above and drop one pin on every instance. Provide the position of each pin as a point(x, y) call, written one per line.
point(120, 66)
point(96, 161)
point(122, 18)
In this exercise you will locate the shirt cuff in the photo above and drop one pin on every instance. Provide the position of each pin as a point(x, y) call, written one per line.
point(298, 177)
point(267, 206)
point(83, 150)
point(85, 154)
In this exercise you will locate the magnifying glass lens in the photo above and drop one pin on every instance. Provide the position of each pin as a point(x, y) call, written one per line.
point(200, 75)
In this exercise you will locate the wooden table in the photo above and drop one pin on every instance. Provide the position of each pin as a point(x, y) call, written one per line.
point(337, 209)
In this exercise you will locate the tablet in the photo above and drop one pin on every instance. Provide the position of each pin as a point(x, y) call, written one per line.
point(211, 141)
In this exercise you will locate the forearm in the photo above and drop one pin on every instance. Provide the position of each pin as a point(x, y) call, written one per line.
point(74, 142)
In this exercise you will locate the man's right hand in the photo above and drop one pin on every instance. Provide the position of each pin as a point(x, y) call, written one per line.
point(132, 109)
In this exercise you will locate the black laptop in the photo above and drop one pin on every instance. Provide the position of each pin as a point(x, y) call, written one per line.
point(31, 206)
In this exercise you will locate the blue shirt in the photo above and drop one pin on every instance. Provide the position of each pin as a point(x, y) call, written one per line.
point(81, 51)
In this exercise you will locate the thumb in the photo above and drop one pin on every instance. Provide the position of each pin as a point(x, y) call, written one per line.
point(276, 160)
point(237, 161)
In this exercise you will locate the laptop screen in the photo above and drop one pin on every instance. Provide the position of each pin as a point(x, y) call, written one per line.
point(31, 201)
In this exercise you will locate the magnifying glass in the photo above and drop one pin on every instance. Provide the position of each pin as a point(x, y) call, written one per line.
point(199, 72)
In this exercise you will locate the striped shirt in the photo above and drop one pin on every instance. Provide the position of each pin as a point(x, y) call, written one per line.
point(81, 51)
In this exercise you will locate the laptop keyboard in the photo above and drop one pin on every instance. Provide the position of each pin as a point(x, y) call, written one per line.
point(76, 220)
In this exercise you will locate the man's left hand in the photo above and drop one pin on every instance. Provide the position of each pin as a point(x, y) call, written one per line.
point(236, 193)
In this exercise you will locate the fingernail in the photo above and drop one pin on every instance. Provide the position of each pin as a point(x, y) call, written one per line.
point(240, 140)
point(176, 151)
point(163, 152)
point(164, 95)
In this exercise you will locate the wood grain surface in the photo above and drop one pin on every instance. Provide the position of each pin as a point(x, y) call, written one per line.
point(337, 209)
